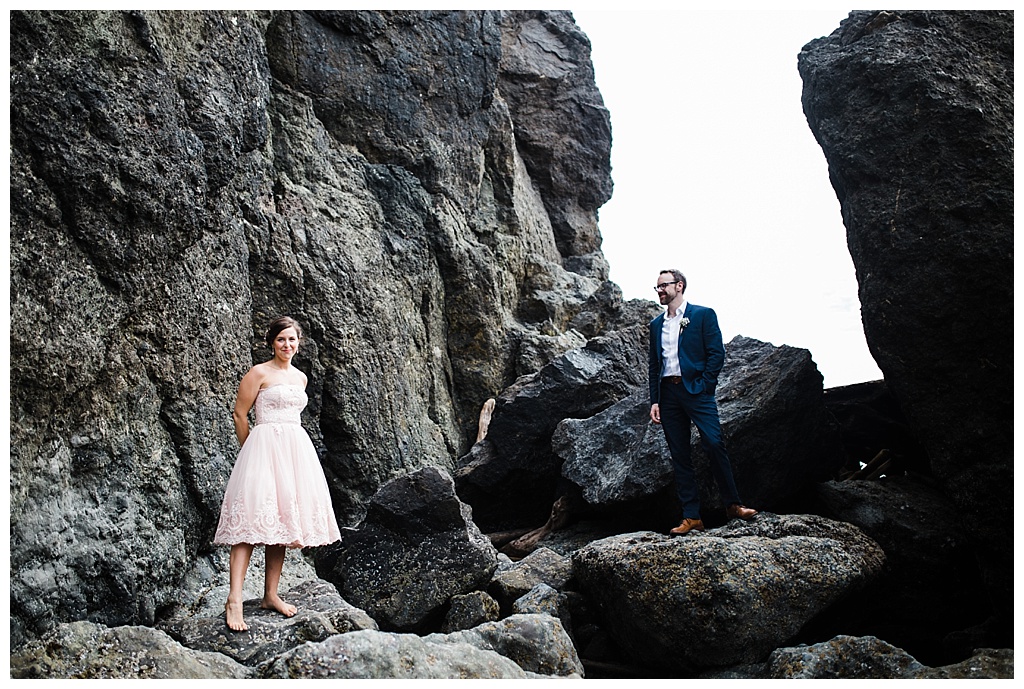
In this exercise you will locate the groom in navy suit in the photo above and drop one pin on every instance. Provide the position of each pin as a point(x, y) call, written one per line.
point(686, 356)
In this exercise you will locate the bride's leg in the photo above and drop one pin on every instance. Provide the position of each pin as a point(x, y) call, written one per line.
point(239, 563)
point(275, 563)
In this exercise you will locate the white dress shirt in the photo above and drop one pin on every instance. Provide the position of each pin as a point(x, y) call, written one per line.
point(670, 342)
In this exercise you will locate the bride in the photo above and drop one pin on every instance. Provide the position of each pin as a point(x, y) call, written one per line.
point(277, 495)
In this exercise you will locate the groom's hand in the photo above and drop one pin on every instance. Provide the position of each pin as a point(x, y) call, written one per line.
point(655, 413)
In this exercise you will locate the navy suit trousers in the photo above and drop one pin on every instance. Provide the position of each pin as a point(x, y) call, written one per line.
point(678, 408)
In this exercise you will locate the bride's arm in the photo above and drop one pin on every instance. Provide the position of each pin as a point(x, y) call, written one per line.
point(247, 391)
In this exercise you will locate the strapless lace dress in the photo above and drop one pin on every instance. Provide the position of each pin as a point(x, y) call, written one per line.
point(277, 493)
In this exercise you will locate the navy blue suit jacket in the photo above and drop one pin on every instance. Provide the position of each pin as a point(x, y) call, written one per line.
point(701, 352)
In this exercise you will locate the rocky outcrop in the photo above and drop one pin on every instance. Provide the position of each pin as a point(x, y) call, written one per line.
point(774, 420)
point(846, 657)
point(419, 189)
point(914, 112)
point(85, 650)
point(511, 476)
point(909, 603)
point(734, 593)
point(381, 655)
point(467, 610)
point(537, 643)
point(417, 547)
point(542, 566)
point(322, 613)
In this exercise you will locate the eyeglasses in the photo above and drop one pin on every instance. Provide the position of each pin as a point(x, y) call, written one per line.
point(663, 286)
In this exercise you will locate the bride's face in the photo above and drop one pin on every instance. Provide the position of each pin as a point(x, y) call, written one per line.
point(286, 343)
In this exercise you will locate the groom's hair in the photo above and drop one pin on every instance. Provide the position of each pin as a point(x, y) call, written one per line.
point(677, 275)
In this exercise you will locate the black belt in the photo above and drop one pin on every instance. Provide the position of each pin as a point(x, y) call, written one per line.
point(675, 380)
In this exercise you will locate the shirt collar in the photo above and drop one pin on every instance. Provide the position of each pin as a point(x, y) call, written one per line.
point(679, 312)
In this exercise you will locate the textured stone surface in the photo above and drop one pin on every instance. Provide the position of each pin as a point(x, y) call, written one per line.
point(204, 589)
point(517, 647)
point(777, 431)
point(85, 650)
point(177, 178)
point(909, 605)
point(371, 654)
point(734, 593)
point(321, 613)
point(847, 657)
point(542, 566)
point(416, 549)
point(537, 643)
point(470, 609)
point(510, 477)
point(914, 112)
point(544, 600)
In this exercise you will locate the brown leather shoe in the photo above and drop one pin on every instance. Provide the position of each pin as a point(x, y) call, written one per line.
point(686, 526)
point(736, 511)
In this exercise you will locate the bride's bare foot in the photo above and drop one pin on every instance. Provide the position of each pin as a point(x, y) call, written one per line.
point(275, 603)
point(233, 615)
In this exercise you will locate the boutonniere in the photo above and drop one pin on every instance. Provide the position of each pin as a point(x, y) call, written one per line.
point(683, 323)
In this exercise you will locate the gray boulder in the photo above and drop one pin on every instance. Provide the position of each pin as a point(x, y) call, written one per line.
point(540, 600)
point(321, 613)
point(537, 643)
point(848, 657)
point(774, 421)
point(909, 604)
point(733, 594)
point(86, 650)
point(470, 609)
point(371, 654)
point(542, 566)
point(203, 591)
point(417, 547)
point(914, 111)
point(545, 600)
point(510, 477)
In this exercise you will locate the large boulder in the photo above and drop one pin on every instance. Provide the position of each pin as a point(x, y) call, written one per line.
point(723, 596)
point(321, 613)
point(914, 111)
point(542, 566)
point(777, 430)
point(417, 548)
point(371, 654)
point(545, 59)
point(519, 646)
point(86, 650)
point(204, 589)
point(909, 604)
point(511, 476)
point(537, 643)
point(467, 610)
point(848, 657)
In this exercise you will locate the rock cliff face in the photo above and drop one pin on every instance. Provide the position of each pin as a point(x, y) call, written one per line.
point(914, 111)
point(418, 189)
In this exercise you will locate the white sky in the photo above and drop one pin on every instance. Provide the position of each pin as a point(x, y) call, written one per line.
point(717, 174)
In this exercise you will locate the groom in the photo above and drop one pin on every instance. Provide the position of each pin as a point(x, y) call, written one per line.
point(685, 358)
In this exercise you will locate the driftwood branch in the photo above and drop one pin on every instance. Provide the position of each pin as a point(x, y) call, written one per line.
point(873, 469)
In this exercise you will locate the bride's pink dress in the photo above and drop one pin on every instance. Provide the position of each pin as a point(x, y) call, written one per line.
point(277, 493)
